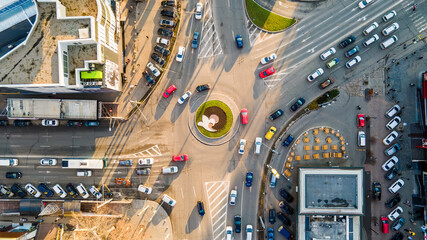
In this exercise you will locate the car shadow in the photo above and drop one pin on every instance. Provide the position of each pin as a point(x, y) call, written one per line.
point(191, 223)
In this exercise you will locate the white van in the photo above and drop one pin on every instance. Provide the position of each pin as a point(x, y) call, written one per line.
point(388, 42)
point(273, 181)
point(8, 162)
point(84, 173)
point(361, 140)
point(249, 230)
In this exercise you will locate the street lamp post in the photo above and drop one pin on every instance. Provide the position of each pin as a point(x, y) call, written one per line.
point(272, 150)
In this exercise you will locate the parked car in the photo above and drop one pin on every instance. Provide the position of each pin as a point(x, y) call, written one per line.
point(393, 201)
point(163, 41)
point(92, 123)
point(349, 40)
point(168, 200)
point(82, 191)
point(389, 16)
point(276, 114)
point(376, 189)
point(168, 3)
point(71, 190)
point(397, 236)
point(396, 186)
point(50, 123)
point(237, 223)
point(284, 219)
point(286, 195)
point(393, 111)
point(229, 233)
point(353, 62)
point(326, 83)
point(361, 139)
point(169, 91)
point(239, 41)
point(370, 28)
point(398, 224)
point(319, 72)
point(268, 59)
point(286, 208)
point(180, 158)
point(393, 123)
point(393, 149)
point(371, 40)
point(391, 173)
point(390, 138)
point(4, 190)
point(384, 224)
point(288, 140)
point(270, 133)
point(95, 192)
point(203, 87)
point(180, 54)
point(59, 190)
point(184, 97)
point(169, 170)
point(144, 189)
point(146, 161)
point(297, 104)
point(44, 189)
point(122, 182)
point(391, 162)
point(125, 162)
point(153, 69)
point(158, 59)
point(258, 143)
point(332, 63)
point(199, 7)
point(143, 171)
point(395, 213)
point(390, 29)
point(352, 51)
point(161, 50)
point(242, 146)
point(272, 216)
point(167, 23)
point(195, 42)
point(267, 72)
point(233, 197)
point(270, 232)
point(22, 123)
point(364, 3)
point(328, 53)
point(201, 208)
point(167, 13)
point(249, 177)
point(3, 123)
point(72, 123)
point(285, 232)
point(360, 120)
point(147, 77)
point(32, 190)
point(244, 116)
point(13, 175)
point(18, 190)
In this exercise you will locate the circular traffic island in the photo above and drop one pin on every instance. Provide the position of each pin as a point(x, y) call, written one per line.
point(214, 119)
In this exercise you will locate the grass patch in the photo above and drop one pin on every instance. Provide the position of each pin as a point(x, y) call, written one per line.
point(265, 19)
point(228, 123)
point(328, 96)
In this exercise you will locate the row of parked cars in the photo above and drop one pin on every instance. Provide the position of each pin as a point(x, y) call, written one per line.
point(51, 123)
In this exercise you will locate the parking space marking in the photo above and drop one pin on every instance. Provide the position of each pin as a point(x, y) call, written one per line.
point(153, 151)
point(210, 44)
point(217, 194)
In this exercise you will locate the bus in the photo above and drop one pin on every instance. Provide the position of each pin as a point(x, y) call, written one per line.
point(81, 163)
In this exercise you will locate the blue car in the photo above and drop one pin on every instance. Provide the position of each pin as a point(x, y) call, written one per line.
point(352, 51)
point(288, 140)
point(91, 123)
point(195, 42)
point(249, 176)
point(237, 223)
point(239, 41)
point(270, 234)
point(201, 208)
point(45, 189)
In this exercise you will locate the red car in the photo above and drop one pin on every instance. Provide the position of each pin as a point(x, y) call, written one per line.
point(180, 158)
point(384, 224)
point(169, 91)
point(267, 72)
point(360, 120)
point(244, 115)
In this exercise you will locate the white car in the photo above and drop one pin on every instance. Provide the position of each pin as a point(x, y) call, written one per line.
point(395, 213)
point(229, 233)
point(95, 192)
point(353, 62)
point(153, 69)
point(59, 190)
point(32, 190)
point(233, 196)
point(242, 146)
point(168, 200)
point(389, 16)
point(48, 162)
point(396, 186)
point(258, 143)
point(50, 122)
point(371, 40)
point(390, 138)
point(365, 3)
point(393, 123)
point(146, 161)
point(268, 59)
point(163, 41)
point(184, 97)
point(316, 74)
point(144, 189)
point(328, 53)
point(180, 54)
point(171, 169)
point(249, 231)
point(392, 111)
point(393, 27)
point(82, 190)
point(389, 164)
point(370, 28)
point(199, 7)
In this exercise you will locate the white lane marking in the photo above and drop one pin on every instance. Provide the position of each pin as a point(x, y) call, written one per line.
point(182, 193)
point(75, 146)
point(76, 136)
point(14, 145)
point(45, 146)
point(194, 191)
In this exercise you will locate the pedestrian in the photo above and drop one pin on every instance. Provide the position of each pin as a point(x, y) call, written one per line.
point(420, 58)
point(358, 108)
point(412, 84)
point(414, 8)
point(146, 37)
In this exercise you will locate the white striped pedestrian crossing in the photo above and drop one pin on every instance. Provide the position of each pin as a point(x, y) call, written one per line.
point(217, 193)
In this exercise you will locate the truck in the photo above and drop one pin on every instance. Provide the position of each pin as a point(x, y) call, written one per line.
point(285, 232)
point(80, 163)
point(326, 83)
point(8, 162)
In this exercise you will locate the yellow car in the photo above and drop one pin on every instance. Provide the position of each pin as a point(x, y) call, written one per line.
point(270, 133)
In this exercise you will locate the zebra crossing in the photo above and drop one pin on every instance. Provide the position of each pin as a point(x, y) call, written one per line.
point(255, 34)
point(417, 17)
point(217, 193)
point(210, 44)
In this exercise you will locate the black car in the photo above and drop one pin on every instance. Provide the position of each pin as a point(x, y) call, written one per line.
point(167, 23)
point(284, 219)
point(168, 3)
point(22, 123)
point(3, 123)
point(147, 76)
point(286, 208)
point(347, 41)
point(393, 201)
point(376, 189)
point(288, 141)
point(297, 104)
point(18, 190)
point(161, 50)
point(165, 32)
point(276, 114)
point(158, 59)
point(272, 216)
point(203, 87)
point(45, 189)
point(397, 236)
point(71, 190)
point(286, 195)
point(238, 223)
point(13, 175)
point(143, 171)
point(166, 13)
point(201, 208)
point(72, 123)
point(391, 173)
